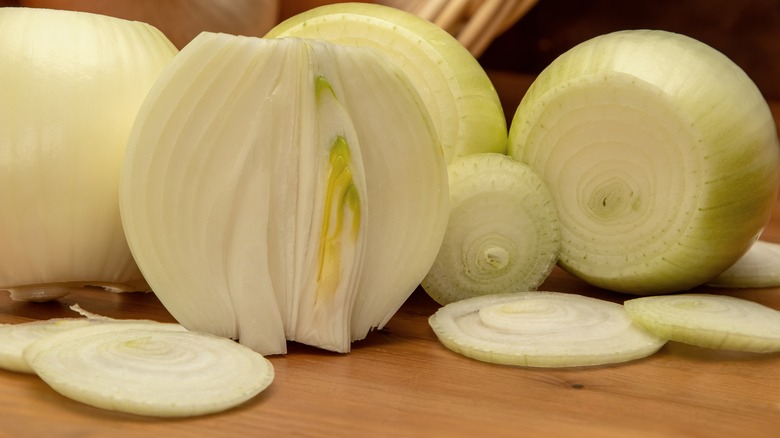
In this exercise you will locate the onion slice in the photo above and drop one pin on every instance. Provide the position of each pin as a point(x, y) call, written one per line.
point(542, 329)
point(709, 320)
point(14, 338)
point(502, 235)
point(149, 368)
point(283, 189)
point(758, 267)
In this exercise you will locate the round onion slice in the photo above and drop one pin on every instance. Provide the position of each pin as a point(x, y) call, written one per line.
point(708, 320)
point(149, 368)
point(542, 329)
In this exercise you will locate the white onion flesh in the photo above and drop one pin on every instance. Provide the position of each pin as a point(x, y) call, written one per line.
point(709, 320)
point(234, 201)
point(661, 154)
point(502, 235)
point(460, 97)
point(542, 329)
point(759, 267)
point(149, 368)
point(71, 84)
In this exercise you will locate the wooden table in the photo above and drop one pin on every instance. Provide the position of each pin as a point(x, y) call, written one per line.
point(401, 382)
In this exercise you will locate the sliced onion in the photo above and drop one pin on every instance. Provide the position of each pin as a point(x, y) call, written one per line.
point(283, 189)
point(759, 267)
point(542, 329)
point(149, 368)
point(709, 320)
point(502, 235)
point(14, 338)
point(662, 156)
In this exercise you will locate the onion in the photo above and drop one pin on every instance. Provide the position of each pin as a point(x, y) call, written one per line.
point(710, 321)
point(661, 154)
point(759, 267)
point(463, 103)
point(17, 337)
point(502, 235)
point(71, 84)
point(149, 368)
point(283, 189)
point(542, 329)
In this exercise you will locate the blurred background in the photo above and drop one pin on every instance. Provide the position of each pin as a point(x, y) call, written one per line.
point(513, 40)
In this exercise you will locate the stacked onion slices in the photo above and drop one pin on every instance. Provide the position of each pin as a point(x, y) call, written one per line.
point(299, 187)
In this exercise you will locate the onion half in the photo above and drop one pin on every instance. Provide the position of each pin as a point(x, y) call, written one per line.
point(661, 154)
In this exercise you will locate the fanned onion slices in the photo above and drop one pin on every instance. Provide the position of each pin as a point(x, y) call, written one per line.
point(71, 84)
point(149, 368)
point(709, 320)
point(662, 156)
point(542, 329)
point(502, 235)
point(283, 189)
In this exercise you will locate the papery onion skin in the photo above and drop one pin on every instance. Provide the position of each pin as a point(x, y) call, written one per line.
point(70, 86)
point(661, 153)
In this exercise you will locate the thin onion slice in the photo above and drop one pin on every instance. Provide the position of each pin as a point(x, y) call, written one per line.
point(502, 234)
point(709, 320)
point(16, 337)
point(149, 368)
point(759, 267)
point(542, 329)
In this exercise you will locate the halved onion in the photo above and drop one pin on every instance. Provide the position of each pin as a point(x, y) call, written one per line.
point(283, 189)
point(662, 156)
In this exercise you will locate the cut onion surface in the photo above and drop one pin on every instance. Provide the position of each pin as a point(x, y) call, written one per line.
point(502, 235)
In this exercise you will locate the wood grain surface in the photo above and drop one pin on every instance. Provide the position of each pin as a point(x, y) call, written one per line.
point(401, 382)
